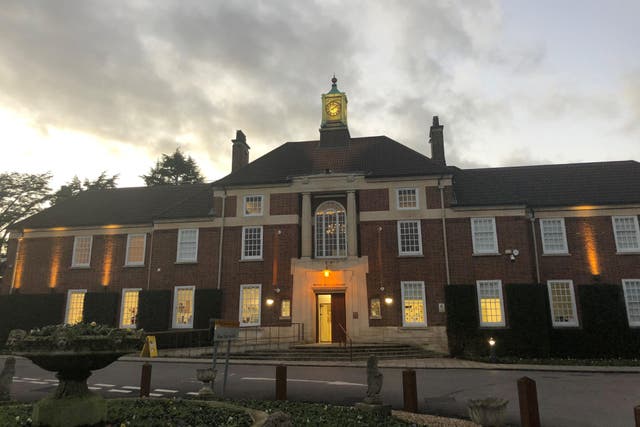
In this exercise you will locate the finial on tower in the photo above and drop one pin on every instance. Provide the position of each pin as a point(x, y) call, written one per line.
point(334, 80)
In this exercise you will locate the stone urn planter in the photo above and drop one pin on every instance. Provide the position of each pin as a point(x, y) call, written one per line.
point(207, 376)
point(73, 351)
point(489, 412)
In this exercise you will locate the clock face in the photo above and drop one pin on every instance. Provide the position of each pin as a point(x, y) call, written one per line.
point(333, 109)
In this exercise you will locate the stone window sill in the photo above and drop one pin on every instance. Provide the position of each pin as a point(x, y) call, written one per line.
point(559, 254)
point(628, 253)
point(411, 256)
point(488, 254)
point(252, 260)
point(134, 265)
point(185, 262)
point(80, 267)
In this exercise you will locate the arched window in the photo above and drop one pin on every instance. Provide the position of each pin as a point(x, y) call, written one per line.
point(331, 230)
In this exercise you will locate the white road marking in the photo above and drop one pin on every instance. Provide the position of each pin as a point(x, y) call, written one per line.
point(31, 379)
point(131, 387)
point(162, 390)
point(115, 390)
point(104, 385)
point(192, 393)
point(38, 382)
point(94, 388)
point(300, 380)
point(19, 381)
point(156, 394)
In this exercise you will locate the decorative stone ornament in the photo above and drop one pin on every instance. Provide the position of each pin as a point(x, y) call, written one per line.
point(73, 351)
point(207, 376)
point(489, 412)
point(373, 401)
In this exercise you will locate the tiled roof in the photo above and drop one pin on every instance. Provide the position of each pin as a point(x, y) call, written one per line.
point(572, 184)
point(136, 205)
point(376, 156)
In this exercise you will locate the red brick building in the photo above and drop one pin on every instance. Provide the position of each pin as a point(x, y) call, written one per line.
point(344, 235)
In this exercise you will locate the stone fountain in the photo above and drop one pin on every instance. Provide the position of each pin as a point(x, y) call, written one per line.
point(73, 351)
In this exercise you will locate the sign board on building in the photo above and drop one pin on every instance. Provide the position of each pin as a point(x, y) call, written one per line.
point(227, 329)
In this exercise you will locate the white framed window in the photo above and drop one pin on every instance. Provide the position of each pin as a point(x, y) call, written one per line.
point(253, 205)
point(331, 230)
point(187, 245)
point(183, 300)
point(490, 302)
point(631, 289)
point(129, 307)
point(136, 245)
point(285, 309)
point(375, 308)
point(562, 302)
point(414, 305)
point(75, 306)
point(484, 236)
point(409, 238)
point(81, 251)
point(407, 198)
point(252, 242)
point(250, 296)
point(554, 236)
point(625, 230)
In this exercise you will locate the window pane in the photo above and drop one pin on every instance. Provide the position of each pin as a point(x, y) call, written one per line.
point(410, 239)
point(553, 236)
point(184, 307)
point(407, 198)
point(82, 250)
point(129, 308)
point(484, 235)
point(374, 310)
point(135, 250)
point(562, 303)
point(252, 242)
point(250, 305)
point(626, 233)
point(413, 302)
point(632, 299)
point(331, 230)
point(253, 205)
point(75, 307)
point(188, 245)
point(490, 297)
point(285, 308)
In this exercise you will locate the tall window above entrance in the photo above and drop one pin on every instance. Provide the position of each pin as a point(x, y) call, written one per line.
point(331, 230)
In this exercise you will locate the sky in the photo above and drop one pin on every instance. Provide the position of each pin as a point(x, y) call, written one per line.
point(92, 86)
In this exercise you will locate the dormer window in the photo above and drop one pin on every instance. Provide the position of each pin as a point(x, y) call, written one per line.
point(331, 230)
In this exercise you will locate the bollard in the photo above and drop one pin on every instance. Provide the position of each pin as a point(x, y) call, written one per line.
point(636, 412)
point(528, 398)
point(145, 380)
point(410, 390)
point(281, 382)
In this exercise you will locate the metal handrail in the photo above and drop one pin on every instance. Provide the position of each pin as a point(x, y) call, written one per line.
point(347, 337)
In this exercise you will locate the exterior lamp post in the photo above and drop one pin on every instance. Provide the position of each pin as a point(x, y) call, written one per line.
point(492, 350)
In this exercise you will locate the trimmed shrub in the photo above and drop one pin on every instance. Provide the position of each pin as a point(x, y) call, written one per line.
point(528, 321)
point(154, 310)
point(101, 307)
point(462, 319)
point(28, 311)
point(208, 305)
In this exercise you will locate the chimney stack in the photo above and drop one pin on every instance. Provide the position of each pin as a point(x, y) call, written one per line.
point(240, 155)
point(436, 139)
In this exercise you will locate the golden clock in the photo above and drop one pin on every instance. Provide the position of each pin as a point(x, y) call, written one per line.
point(333, 109)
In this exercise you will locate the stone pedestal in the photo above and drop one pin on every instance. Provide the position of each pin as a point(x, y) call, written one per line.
point(70, 411)
point(207, 376)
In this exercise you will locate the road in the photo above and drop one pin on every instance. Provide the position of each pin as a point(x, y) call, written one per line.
point(565, 399)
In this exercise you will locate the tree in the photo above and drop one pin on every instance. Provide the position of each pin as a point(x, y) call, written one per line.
point(21, 195)
point(74, 187)
point(175, 169)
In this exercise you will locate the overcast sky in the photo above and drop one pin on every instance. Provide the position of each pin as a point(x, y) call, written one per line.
point(87, 86)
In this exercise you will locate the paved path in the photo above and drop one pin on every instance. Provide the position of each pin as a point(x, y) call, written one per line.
point(567, 399)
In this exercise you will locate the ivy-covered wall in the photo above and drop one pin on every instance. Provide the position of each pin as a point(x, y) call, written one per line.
point(603, 331)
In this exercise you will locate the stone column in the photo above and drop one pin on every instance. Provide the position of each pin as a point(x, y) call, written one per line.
point(352, 230)
point(305, 226)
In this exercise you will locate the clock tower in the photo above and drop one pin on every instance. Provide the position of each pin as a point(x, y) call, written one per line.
point(333, 129)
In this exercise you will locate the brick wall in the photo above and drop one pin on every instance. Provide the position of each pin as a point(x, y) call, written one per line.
point(373, 200)
point(284, 204)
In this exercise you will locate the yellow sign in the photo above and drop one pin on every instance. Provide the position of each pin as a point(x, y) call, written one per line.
point(150, 348)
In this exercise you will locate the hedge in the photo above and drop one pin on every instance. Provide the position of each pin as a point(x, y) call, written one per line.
point(603, 332)
point(208, 305)
point(101, 307)
point(28, 311)
point(154, 310)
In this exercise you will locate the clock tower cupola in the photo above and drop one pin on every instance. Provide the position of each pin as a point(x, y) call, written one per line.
point(333, 129)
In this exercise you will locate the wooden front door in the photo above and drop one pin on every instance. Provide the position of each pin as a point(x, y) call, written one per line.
point(338, 318)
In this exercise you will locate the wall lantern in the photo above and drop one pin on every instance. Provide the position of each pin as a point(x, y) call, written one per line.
point(326, 270)
point(269, 301)
point(388, 300)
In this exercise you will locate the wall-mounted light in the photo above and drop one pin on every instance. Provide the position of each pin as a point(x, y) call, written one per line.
point(326, 270)
point(388, 300)
point(269, 301)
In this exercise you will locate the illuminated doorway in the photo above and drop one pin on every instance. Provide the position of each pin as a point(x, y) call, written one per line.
point(331, 318)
